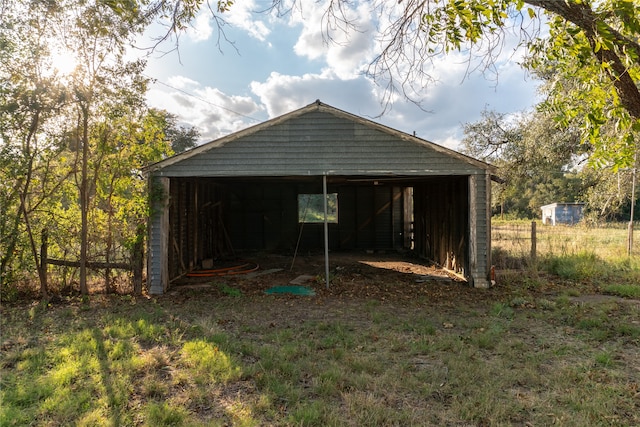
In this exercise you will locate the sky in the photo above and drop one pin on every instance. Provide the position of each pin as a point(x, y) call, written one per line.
point(265, 66)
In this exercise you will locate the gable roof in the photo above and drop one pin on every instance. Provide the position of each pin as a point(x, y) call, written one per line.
point(314, 140)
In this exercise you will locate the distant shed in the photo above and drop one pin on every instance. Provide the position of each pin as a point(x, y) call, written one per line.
point(562, 213)
point(245, 191)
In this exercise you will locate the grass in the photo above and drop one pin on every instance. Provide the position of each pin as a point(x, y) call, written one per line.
point(252, 361)
point(608, 242)
point(531, 351)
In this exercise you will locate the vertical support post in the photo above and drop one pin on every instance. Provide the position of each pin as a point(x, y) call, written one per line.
point(43, 261)
point(533, 241)
point(326, 230)
point(137, 259)
point(196, 225)
point(479, 229)
point(158, 247)
point(633, 203)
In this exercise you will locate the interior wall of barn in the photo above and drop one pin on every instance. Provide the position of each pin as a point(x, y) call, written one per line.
point(441, 225)
point(213, 218)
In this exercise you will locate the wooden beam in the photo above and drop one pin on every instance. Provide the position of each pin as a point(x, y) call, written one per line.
point(90, 264)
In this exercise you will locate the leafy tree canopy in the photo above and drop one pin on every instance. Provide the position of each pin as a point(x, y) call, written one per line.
point(592, 45)
point(541, 164)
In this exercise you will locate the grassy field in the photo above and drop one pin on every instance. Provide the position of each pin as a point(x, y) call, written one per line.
point(556, 342)
point(608, 241)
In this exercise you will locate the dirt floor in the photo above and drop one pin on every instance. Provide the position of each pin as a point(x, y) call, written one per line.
point(359, 275)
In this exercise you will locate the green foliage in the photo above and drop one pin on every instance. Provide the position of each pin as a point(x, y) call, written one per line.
point(535, 161)
point(591, 62)
point(586, 266)
point(311, 208)
point(541, 163)
point(623, 290)
point(49, 121)
point(182, 138)
point(590, 57)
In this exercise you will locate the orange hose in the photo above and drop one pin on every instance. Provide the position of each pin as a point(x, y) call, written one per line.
point(222, 269)
point(226, 271)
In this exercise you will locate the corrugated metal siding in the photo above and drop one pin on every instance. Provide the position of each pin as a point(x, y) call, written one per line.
point(315, 143)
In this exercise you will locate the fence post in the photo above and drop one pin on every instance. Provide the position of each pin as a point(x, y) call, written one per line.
point(43, 261)
point(533, 240)
point(630, 238)
point(137, 259)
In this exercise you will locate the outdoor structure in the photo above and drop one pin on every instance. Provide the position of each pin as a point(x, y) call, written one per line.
point(318, 178)
point(562, 213)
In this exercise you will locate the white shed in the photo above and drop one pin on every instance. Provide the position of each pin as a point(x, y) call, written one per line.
point(562, 213)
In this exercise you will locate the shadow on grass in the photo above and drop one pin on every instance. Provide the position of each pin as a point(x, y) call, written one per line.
point(106, 377)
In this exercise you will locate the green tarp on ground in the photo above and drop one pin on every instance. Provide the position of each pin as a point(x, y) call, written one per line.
point(293, 290)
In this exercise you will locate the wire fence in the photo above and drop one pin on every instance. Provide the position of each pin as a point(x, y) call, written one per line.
point(515, 243)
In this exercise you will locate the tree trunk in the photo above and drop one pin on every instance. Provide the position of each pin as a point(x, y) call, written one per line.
point(84, 202)
point(42, 271)
point(44, 292)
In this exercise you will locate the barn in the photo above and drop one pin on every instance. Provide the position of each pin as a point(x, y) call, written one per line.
point(318, 178)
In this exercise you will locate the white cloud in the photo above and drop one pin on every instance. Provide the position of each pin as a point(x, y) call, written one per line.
point(345, 50)
point(182, 82)
point(243, 16)
point(210, 110)
point(201, 28)
point(283, 93)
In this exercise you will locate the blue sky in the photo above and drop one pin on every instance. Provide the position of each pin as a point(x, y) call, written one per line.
point(278, 64)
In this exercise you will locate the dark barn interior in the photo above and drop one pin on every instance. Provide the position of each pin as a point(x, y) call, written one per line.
point(214, 218)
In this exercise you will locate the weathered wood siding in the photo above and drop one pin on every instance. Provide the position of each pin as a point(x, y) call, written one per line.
point(480, 229)
point(158, 229)
point(316, 143)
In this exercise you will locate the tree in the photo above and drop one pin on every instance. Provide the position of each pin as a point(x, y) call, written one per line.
point(182, 138)
point(593, 51)
point(538, 163)
point(30, 99)
point(89, 129)
point(97, 34)
point(594, 44)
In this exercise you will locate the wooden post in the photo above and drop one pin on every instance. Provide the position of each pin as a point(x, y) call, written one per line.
point(533, 240)
point(137, 258)
point(44, 286)
point(633, 203)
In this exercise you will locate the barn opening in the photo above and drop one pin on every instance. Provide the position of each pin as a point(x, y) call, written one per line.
point(213, 218)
